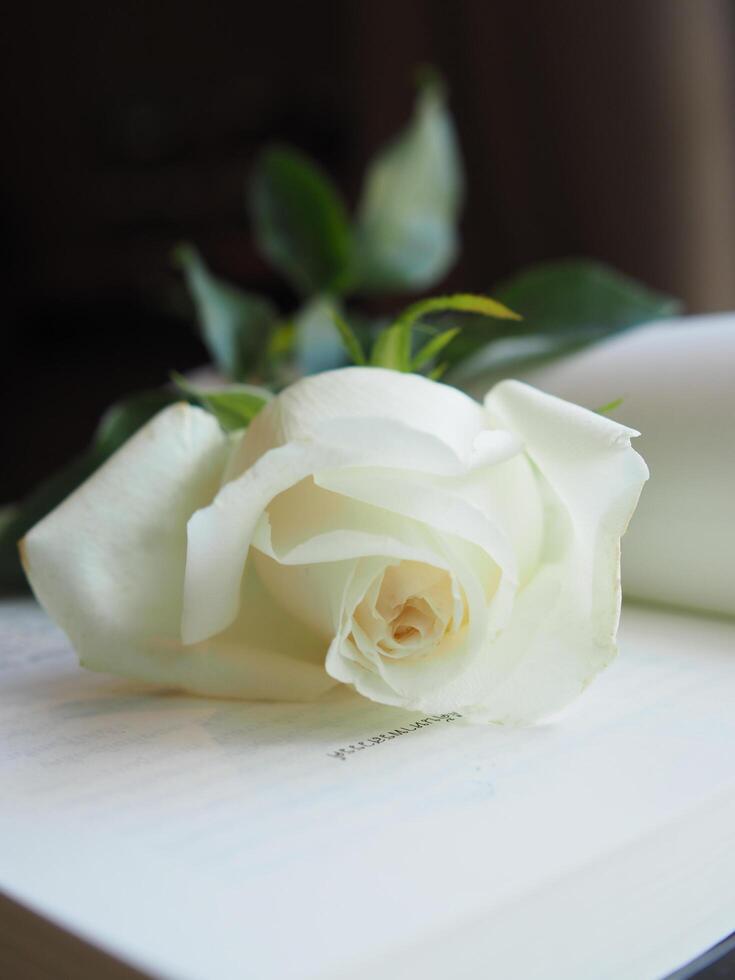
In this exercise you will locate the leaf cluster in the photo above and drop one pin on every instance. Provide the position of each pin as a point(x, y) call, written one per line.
point(402, 238)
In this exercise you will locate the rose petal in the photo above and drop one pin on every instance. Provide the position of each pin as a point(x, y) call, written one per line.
point(418, 684)
point(564, 622)
point(445, 413)
point(108, 565)
point(264, 655)
point(108, 562)
point(220, 535)
point(398, 492)
point(310, 536)
point(510, 495)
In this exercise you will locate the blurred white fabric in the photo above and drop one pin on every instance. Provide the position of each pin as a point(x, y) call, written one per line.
point(677, 382)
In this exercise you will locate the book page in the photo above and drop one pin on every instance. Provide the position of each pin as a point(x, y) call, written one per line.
point(196, 838)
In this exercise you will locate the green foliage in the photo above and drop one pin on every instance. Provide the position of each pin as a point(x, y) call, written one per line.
point(406, 228)
point(300, 222)
point(405, 232)
point(581, 293)
point(433, 347)
point(403, 239)
point(610, 407)
point(458, 303)
point(566, 306)
point(116, 426)
point(350, 340)
point(234, 324)
point(438, 372)
point(393, 348)
point(234, 407)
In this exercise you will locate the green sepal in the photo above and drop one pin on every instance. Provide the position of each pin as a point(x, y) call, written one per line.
point(610, 407)
point(457, 303)
point(234, 407)
point(392, 349)
point(433, 347)
point(438, 372)
point(350, 340)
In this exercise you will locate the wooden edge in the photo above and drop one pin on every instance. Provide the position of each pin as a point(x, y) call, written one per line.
point(33, 948)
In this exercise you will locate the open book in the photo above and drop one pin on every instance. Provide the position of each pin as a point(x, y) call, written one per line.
point(191, 839)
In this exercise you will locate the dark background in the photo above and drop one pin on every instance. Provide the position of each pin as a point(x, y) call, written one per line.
point(604, 129)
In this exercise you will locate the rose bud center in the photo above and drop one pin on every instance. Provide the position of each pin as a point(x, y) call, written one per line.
point(407, 610)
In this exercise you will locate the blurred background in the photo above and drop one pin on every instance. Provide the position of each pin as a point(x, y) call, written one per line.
point(603, 129)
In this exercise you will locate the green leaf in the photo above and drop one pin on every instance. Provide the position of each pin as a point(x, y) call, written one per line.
point(349, 338)
point(610, 407)
point(406, 231)
point(116, 426)
point(432, 348)
point(581, 293)
point(234, 406)
point(234, 324)
point(566, 306)
point(300, 222)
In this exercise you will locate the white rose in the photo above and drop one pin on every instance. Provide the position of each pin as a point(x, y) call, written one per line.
point(372, 528)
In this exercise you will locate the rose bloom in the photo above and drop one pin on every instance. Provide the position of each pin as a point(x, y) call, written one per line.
point(369, 528)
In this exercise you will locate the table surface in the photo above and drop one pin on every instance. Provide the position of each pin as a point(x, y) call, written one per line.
point(206, 815)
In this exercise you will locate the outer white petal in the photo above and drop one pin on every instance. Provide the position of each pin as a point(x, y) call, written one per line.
point(565, 620)
point(426, 406)
point(108, 565)
point(676, 379)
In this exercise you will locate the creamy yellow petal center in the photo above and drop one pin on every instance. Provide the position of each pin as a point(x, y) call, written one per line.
point(409, 608)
